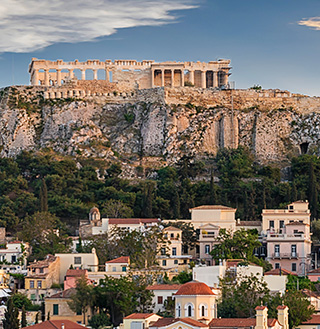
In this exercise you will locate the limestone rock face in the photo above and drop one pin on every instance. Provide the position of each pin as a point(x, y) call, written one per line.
point(160, 124)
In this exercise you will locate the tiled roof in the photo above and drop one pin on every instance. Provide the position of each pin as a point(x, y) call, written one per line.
point(119, 260)
point(296, 223)
point(43, 263)
point(56, 324)
point(238, 323)
point(194, 288)
point(282, 307)
point(139, 316)
point(164, 287)
point(249, 223)
point(260, 307)
point(116, 221)
point(209, 207)
point(317, 270)
point(314, 320)
point(76, 273)
point(167, 321)
point(310, 293)
point(276, 271)
point(172, 228)
point(64, 294)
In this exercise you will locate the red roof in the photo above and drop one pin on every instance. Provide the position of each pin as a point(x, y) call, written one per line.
point(76, 273)
point(316, 270)
point(314, 320)
point(282, 307)
point(194, 288)
point(238, 322)
point(261, 307)
point(164, 287)
point(120, 260)
point(139, 316)
point(54, 324)
point(209, 207)
point(276, 271)
point(167, 321)
point(64, 294)
point(116, 221)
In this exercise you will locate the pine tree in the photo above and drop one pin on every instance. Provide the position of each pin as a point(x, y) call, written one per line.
point(11, 320)
point(43, 196)
point(23, 317)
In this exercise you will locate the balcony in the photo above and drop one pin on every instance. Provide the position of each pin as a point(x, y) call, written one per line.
point(285, 236)
point(289, 255)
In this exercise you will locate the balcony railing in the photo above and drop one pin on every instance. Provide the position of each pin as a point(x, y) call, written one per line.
point(288, 255)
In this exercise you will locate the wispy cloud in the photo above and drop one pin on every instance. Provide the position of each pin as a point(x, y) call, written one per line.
point(313, 22)
point(32, 24)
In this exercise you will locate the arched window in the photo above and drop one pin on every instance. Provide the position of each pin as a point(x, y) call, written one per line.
point(189, 310)
point(178, 311)
point(203, 311)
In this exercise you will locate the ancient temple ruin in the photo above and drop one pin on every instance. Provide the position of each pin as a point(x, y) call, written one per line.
point(131, 73)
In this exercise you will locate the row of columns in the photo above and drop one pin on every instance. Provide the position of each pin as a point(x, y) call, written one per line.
point(35, 76)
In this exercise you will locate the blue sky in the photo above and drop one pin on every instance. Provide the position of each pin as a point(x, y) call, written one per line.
point(274, 43)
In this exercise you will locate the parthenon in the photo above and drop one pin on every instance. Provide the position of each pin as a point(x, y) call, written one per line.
point(141, 75)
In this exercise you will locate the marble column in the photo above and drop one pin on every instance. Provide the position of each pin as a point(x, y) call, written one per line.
point(191, 77)
point(83, 74)
point(70, 73)
point(182, 78)
point(107, 75)
point(162, 78)
point(46, 78)
point(215, 79)
point(58, 77)
point(172, 78)
point(95, 74)
point(35, 78)
point(152, 78)
point(203, 79)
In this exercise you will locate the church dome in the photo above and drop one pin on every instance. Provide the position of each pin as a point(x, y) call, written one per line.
point(194, 288)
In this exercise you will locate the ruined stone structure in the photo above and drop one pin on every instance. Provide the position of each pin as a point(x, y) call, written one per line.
point(131, 73)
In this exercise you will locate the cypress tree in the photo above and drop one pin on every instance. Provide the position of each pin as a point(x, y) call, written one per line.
point(23, 317)
point(312, 192)
point(294, 193)
point(213, 193)
point(176, 204)
point(11, 320)
point(43, 196)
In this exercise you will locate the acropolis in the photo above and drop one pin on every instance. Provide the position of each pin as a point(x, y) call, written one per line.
point(131, 73)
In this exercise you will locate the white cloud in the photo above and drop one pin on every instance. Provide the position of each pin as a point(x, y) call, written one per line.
point(313, 22)
point(27, 25)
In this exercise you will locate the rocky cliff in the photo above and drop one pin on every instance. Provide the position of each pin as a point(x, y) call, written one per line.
point(159, 125)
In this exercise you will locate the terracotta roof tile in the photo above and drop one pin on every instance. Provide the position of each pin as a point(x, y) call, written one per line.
point(237, 323)
point(119, 260)
point(261, 307)
point(116, 221)
point(194, 288)
point(139, 316)
point(282, 307)
point(295, 223)
point(310, 293)
point(164, 287)
point(314, 320)
point(249, 223)
point(316, 270)
point(64, 294)
point(171, 228)
point(76, 273)
point(43, 263)
point(167, 321)
point(276, 271)
point(54, 324)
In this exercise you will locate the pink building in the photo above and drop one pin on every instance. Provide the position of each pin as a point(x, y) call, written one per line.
point(72, 276)
point(290, 248)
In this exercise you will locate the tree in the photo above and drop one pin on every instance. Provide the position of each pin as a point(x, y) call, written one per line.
point(20, 300)
point(82, 299)
point(43, 196)
point(23, 317)
point(11, 320)
point(100, 320)
point(182, 277)
point(116, 209)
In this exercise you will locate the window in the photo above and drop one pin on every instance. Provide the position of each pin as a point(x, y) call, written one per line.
point(114, 269)
point(293, 250)
point(160, 300)
point(39, 284)
point(281, 224)
point(31, 284)
point(77, 260)
point(207, 249)
point(175, 262)
point(163, 251)
point(41, 270)
point(174, 251)
point(79, 312)
point(203, 311)
point(291, 207)
point(189, 310)
point(164, 263)
point(124, 268)
point(172, 235)
point(277, 250)
point(293, 267)
point(178, 311)
point(55, 309)
point(13, 259)
point(33, 296)
point(271, 224)
point(276, 265)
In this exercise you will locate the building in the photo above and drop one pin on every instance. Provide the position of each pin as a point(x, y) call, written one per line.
point(313, 323)
point(84, 261)
point(162, 293)
point(139, 320)
point(314, 275)
point(72, 276)
point(56, 324)
point(207, 239)
point(133, 74)
point(117, 267)
point(95, 225)
point(221, 216)
point(170, 255)
point(13, 257)
point(42, 278)
point(313, 297)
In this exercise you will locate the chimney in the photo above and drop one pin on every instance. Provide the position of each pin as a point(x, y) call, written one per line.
point(62, 325)
point(262, 317)
point(283, 316)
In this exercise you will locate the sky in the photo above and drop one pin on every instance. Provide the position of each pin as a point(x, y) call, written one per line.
point(272, 43)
